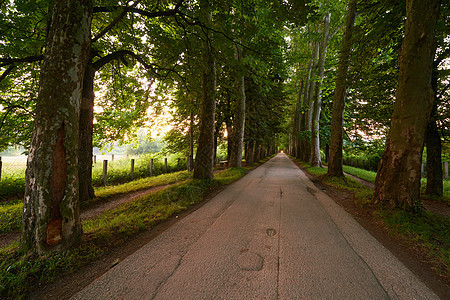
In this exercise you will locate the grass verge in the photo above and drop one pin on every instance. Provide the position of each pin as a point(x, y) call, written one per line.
point(20, 272)
point(11, 212)
point(425, 232)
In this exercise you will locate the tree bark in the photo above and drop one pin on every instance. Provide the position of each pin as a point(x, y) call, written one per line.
point(250, 152)
point(315, 138)
point(204, 159)
point(86, 131)
point(304, 108)
point(398, 179)
point(337, 115)
point(297, 124)
point(309, 104)
point(435, 184)
point(51, 215)
point(237, 136)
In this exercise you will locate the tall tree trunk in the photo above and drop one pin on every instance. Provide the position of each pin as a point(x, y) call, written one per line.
point(337, 115)
point(191, 137)
point(303, 119)
point(299, 120)
point(398, 179)
point(229, 127)
point(204, 160)
point(86, 131)
point(239, 117)
point(435, 184)
point(257, 152)
point(51, 215)
point(309, 103)
point(315, 139)
point(250, 152)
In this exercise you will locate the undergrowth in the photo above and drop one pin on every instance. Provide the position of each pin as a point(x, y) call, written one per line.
point(426, 230)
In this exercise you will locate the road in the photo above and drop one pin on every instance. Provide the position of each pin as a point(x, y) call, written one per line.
point(270, 235)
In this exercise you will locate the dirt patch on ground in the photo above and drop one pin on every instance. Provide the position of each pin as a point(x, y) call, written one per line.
point(411, 255)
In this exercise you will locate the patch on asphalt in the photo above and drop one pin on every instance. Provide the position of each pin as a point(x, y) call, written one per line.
point(271, 232)
point(249, 261)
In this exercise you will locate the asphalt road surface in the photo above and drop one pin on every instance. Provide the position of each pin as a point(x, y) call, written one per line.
point(270, 235)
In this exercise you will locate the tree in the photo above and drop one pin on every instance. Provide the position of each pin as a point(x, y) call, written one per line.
point(51, 216)
point(335, 164)
point(204, 160)
point(315, 141)
point(398, 179)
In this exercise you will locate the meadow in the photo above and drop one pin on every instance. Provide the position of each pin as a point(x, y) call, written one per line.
point(12, 182)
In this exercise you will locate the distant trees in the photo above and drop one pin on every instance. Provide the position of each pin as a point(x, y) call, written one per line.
point(361, 123)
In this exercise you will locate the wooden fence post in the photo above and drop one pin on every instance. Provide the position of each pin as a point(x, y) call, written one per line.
point(132, 169)
point(105, 170)
point(95, 159)
point(1, 163)
point(151, 167)
point(165, 164)
point(112, 157)
point(445, 169)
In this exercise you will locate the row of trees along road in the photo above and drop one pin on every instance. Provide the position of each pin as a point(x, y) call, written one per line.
point(80, 73)
point(84, 73)
point(387, 79)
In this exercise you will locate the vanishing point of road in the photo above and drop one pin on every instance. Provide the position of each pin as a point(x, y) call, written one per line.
point(270, 235)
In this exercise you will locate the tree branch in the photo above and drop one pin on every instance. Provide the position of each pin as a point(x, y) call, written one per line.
point(441, 57)
point(132, 8)
point(6, 73)
point(9, 109)
point(10, 61)
point(115, 21)
point(119, 55)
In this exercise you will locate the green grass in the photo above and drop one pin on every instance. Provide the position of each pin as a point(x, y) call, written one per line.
point(10, 216)
point(20, 272)
point(370, 177)
point(360, 173)
point(106, 192)
point(425, 231)
point(428, 231)
point(11, 212)
point(12, 183)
